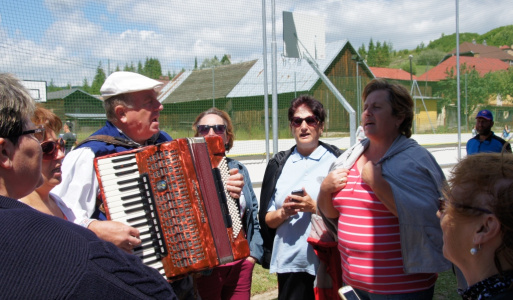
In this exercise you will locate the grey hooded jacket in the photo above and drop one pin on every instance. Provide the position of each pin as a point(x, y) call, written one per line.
point(416, 179)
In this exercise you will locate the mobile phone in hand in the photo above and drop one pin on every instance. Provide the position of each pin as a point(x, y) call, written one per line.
point(299, 192)
point(347, 293)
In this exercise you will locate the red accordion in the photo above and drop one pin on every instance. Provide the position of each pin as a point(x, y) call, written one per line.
point(175, 194)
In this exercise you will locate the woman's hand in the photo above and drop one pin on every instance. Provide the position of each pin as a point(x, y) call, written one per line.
point(294, 204)
point(373, 176)
point(371, 173)
point(335, 181)
point(235, 183)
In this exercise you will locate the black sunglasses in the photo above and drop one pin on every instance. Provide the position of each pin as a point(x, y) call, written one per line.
point(204, 129)
point(310, 121)
point(442, 206)
point(38, 132)
point(49, 148)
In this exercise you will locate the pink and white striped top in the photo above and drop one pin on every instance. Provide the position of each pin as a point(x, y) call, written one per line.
point(369, 243)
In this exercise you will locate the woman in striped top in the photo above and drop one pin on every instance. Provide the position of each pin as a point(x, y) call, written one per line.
point(383, 195)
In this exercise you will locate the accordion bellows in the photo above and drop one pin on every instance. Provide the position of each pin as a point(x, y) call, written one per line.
point(175, 194)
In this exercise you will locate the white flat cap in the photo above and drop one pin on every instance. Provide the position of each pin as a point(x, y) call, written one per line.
point(126, 82)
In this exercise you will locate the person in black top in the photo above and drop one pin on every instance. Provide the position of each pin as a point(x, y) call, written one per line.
point(70, 139)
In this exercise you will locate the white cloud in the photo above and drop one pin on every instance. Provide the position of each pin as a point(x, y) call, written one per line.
point(124, 31)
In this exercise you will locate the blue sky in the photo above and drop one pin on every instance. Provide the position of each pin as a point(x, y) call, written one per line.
point(65, 40)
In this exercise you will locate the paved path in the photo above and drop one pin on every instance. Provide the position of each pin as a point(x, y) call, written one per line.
point(444, 148)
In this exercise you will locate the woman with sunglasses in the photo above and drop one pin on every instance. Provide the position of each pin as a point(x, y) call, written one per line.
point(476, 216)
point(53, 154)
point(232, 280)
point(285, 218)
point(382, 195)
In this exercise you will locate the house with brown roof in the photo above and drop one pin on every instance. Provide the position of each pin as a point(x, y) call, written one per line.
point(473, 49)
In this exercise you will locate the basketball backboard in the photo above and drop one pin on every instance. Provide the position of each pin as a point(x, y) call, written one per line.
point(302, 32)
point(36, 89)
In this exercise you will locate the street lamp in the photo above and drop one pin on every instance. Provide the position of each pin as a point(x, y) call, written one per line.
point(414, 100)
point(358, 84)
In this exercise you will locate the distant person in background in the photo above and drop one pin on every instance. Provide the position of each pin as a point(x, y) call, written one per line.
point(505, 132)
point(360, 133)
point(70, 139)
point(474, 131)
point(486, 140)
point(232, 280)
point(476, 216)
point(53, 154)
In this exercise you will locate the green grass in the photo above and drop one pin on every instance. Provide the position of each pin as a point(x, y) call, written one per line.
point(445, 288)
point(263, 281)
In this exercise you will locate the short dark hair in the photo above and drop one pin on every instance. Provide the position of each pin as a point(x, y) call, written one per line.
point(313, 104)
point(110, 104)
point(399, 98)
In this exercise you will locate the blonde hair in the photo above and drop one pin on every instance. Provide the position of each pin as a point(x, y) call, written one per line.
point(43, 116)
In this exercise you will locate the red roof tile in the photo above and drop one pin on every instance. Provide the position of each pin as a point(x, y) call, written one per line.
point(482, 65)
point(388, 73)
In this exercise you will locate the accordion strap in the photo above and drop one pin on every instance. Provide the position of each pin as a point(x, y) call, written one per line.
point(111, 140)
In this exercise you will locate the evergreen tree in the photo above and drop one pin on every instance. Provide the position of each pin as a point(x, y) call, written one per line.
point(371, 56)
point(362, 52)
point(378, 56)
point(209, 63)
point(195, 63)
point(98, 80)
point(140, 68)
point(85, 85)
point(52, 87)
point(152, 68)
point(117, 68)
point(226, 60)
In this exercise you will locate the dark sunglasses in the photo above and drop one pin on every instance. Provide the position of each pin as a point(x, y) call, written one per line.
point(310, 121)
point(204, 129)
point(49, 148)
point(442, 206)
point(38, 132)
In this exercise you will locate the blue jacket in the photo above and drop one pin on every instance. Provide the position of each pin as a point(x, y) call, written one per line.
point(101, 148)
point(251, 224)
point(492, 144)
